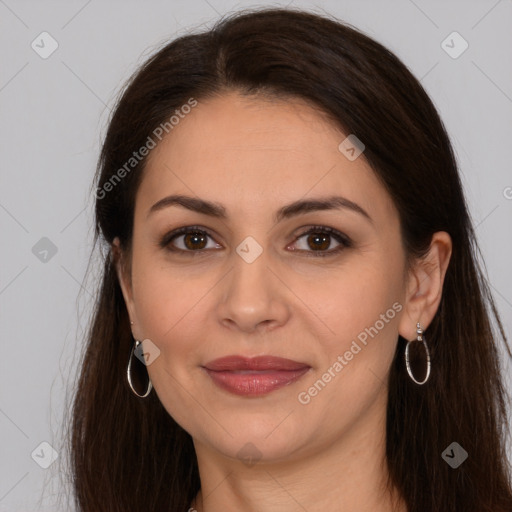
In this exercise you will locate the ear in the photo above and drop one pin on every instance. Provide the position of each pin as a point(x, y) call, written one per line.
point(425, 286)
point(124, 277)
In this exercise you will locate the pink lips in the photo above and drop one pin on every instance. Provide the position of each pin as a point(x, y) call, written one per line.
point(254, 376)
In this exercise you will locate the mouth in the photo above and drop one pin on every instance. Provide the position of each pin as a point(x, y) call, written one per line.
point(254, 376)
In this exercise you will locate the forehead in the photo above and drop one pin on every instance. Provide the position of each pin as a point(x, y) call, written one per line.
point(254, 154)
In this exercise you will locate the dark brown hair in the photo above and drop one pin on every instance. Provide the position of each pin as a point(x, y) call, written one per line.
point(128, 454)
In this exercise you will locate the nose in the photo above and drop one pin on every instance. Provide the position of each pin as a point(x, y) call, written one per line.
point(253, 298)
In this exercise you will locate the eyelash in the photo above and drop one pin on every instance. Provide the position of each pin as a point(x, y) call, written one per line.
point(344, 240)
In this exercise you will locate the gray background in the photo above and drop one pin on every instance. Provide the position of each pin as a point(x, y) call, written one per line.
point(53, 115)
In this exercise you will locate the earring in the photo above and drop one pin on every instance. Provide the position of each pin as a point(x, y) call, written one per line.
point(137, 346)
point(419, 342)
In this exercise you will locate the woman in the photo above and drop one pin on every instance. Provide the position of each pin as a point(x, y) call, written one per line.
point(292, 315)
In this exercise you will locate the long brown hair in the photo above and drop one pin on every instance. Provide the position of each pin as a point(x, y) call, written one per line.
point(128, 454)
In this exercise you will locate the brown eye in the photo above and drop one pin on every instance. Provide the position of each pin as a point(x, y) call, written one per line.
point(319, 238)
point(194, 240)
point(187, 240)
point(318, 241)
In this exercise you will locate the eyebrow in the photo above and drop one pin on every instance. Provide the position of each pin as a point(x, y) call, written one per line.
point(217, 210)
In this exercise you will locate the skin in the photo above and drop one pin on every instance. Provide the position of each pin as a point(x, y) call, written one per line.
point(253, 156)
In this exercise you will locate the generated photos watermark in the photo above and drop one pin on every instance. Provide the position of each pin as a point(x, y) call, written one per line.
point(137, 156)
point(305, 397)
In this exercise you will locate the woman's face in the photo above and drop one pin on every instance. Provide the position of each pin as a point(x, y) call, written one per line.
point(251, 283)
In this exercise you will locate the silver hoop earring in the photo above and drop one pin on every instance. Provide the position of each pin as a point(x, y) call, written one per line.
point(418, 345)
point(137, 346)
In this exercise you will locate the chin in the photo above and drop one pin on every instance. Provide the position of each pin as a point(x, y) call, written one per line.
point(257, 440)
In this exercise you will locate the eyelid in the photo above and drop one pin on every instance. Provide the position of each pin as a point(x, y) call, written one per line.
point(341, 238)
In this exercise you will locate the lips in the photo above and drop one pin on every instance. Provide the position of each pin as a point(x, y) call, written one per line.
point(254, 376)
point(234, 363)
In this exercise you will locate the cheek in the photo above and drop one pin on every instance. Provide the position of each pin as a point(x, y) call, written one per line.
point(362, 308)
point(355, 360)
point(170, 312)
point(340, 302)
point(355, 298)
point(165, 297)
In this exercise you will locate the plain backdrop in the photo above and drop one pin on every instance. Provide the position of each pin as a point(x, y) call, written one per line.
point(53, 115)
